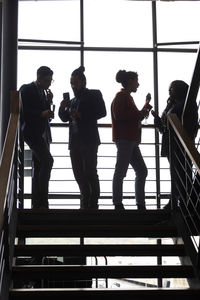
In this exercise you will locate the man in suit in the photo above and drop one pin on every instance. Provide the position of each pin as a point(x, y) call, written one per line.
point(82, 113)
point(36, 100)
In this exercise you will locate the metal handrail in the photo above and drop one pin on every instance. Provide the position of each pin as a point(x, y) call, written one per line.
point(185, 159)
point(8, 152)
point(8, 196)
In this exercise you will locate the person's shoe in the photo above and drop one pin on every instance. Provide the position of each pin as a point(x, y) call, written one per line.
point(119, 206)
point(93, 207)
point(141, 207)
point(41, 207)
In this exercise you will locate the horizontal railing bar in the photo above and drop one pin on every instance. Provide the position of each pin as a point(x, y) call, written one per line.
point(106, 49)
point(77, 196)
point(100, 125)
point(106, 180)
point(50, 41)
point(177, 43)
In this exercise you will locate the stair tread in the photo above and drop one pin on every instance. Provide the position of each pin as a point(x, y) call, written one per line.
point(101, 250)
point(98, 230)
point(117, 294)
point(86, 272)
point(145, 290)
point(102, 212)
point(91, 216)
point(100, 226)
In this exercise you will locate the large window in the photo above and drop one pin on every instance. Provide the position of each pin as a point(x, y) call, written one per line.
point(108, 35)
point(49, 20)
point(105, 36)
point(118, 23)
point(178, 21)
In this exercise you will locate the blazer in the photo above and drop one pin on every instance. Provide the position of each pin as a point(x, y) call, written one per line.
point(91, 107)
point(33, 125)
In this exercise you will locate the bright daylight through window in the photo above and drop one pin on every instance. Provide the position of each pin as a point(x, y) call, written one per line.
point(111, 35)
point(158, 40)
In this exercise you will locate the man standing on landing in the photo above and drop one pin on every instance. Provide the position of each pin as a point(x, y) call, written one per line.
point(82, 112)
point(36, 100)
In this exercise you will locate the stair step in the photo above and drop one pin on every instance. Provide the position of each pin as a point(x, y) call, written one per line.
point(66, 272)
point(100, 250)
point(106, 294)
point(96, 231)
point(95, 217)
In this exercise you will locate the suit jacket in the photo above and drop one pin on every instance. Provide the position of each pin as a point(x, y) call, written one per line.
point(91, 107)
point(33, 125)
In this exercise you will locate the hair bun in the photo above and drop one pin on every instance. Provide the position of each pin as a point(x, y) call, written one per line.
point(81, 69)
point(78, 71)
point(120, 76)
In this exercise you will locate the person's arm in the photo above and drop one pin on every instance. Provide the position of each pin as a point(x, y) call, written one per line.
point(30, 110)
point(124, 109)
point(63, 111)
point(158, 122)
point(95, 106)
point(146, 108)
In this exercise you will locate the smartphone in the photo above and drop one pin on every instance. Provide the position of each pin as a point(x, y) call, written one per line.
point(66, 96)
point(154, 113)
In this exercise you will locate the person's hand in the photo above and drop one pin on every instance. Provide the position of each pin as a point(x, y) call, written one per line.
point(65, 103)
point(146, 113)
point(48, 114)
point(75, 114)
point(148, 98)
point(49, 96)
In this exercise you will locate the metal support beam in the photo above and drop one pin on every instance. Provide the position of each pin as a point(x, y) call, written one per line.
point(82, 31)
point(9, 61)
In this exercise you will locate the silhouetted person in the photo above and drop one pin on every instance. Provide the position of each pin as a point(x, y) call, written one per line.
point(36, 99)
point(82, 113)
point(126, 129)
point(175, 104)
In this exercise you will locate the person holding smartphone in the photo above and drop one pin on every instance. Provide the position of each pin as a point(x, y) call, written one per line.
point(126, 131)
point(175, 104)
point(35, 118)
point(82, 113)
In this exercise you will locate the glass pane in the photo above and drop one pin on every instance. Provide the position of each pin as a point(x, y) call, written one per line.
point(49, 20)
point(101, 69)
point(118, 23)
point(178, 21)
point(61, 62)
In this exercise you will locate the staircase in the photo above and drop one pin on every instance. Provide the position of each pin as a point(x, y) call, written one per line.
point(81, 224)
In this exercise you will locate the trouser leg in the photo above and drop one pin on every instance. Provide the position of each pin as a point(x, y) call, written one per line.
point(139, 166)
point(124, 153)
point(89, 157)
point(84, 165)
point(42, 165)
point(78, 170)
